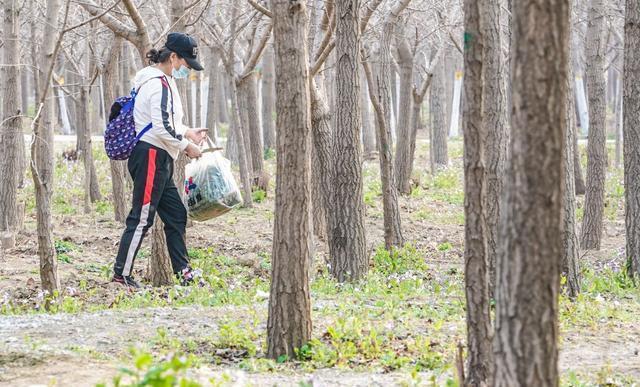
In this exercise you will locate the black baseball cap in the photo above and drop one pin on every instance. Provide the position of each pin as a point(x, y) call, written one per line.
point(185, 46)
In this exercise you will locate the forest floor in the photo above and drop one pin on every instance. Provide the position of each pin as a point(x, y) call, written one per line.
point(400, 326)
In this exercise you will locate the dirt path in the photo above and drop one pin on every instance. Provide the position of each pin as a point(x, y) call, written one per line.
point(84, 349)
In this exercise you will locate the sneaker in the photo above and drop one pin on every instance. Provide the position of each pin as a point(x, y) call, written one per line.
point(126, 281)
point(188, 277)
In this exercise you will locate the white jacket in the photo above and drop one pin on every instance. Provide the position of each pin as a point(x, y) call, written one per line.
point(158, 102)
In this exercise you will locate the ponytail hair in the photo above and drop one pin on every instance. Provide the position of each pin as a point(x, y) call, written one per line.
point(155, 56)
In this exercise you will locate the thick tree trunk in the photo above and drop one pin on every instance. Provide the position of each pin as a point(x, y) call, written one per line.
point(631, 141)
point(495, 116)
point(480, 355)
point(42, 166)
point(268, 102)
point(11, 127)
point(439, 131)
point(526, 343)
point(591, 232)
point(289, 322)
point(347, 243)
point(403, 160)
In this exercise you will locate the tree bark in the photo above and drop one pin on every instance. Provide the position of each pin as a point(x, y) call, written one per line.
point(495, 116)
point(368, 130)
point(268, 102)
point(11, 127)
point(118, 168)
point(570, 264)
point(591, 233)
point(347, 243)
point(242, 150)
point(577, 166)
point(381, 99)
point(221, 99)
point(439, 131)
point(212, 105)
point(618, 122)
point(289, 322)
point(322, 165)
point(531, 234)
point(631, 141)
point(479, 333)
point(244, 129)
point(249, 84)
point(42, 165)
point(403, 160)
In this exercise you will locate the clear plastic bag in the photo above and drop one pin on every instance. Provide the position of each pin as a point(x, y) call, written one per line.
point(210, 186)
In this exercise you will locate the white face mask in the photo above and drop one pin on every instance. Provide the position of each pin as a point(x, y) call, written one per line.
point(182, 72)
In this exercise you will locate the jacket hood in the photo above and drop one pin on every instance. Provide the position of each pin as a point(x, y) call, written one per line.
point(145, 74)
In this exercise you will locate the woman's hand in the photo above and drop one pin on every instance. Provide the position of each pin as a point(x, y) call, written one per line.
point(193, 151)
point(196, 136)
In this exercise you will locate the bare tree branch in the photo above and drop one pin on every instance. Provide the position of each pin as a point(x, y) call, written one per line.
point(251, 64)
point(93, 18)
point(260, 8)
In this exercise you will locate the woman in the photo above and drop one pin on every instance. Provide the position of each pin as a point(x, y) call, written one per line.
point(151, 162)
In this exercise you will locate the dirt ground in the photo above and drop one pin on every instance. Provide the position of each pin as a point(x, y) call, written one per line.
point(82, 349)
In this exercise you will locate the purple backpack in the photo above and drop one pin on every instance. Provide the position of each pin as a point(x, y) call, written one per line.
point(120, 137)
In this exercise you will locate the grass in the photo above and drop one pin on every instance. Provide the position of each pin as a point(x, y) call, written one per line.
point(407, 315)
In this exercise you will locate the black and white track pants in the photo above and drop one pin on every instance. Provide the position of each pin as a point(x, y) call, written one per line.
point(153, 190)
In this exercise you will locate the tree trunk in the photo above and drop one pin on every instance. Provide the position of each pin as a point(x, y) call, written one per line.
point(249, 84)
point(42, 167)
point(403, 130)
point(532, 231)
point(212, 105)
point(480, 355)
point(347, 243)
point(118, 168)
point(268, 102)
point(571, 251)
point(439, 131)
point(221, 99)
point(495, 116)
point(11, 128)
point(381, 99)
point(289, 322)
point(577, 166)
point(631, 141)
point(197, 123)
point(322, 162)
point(84, 139)
point(243, 109)
point(24, 90)
point(368, 130)
point(618, 122)
point(591, 233)
point(242, 151)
